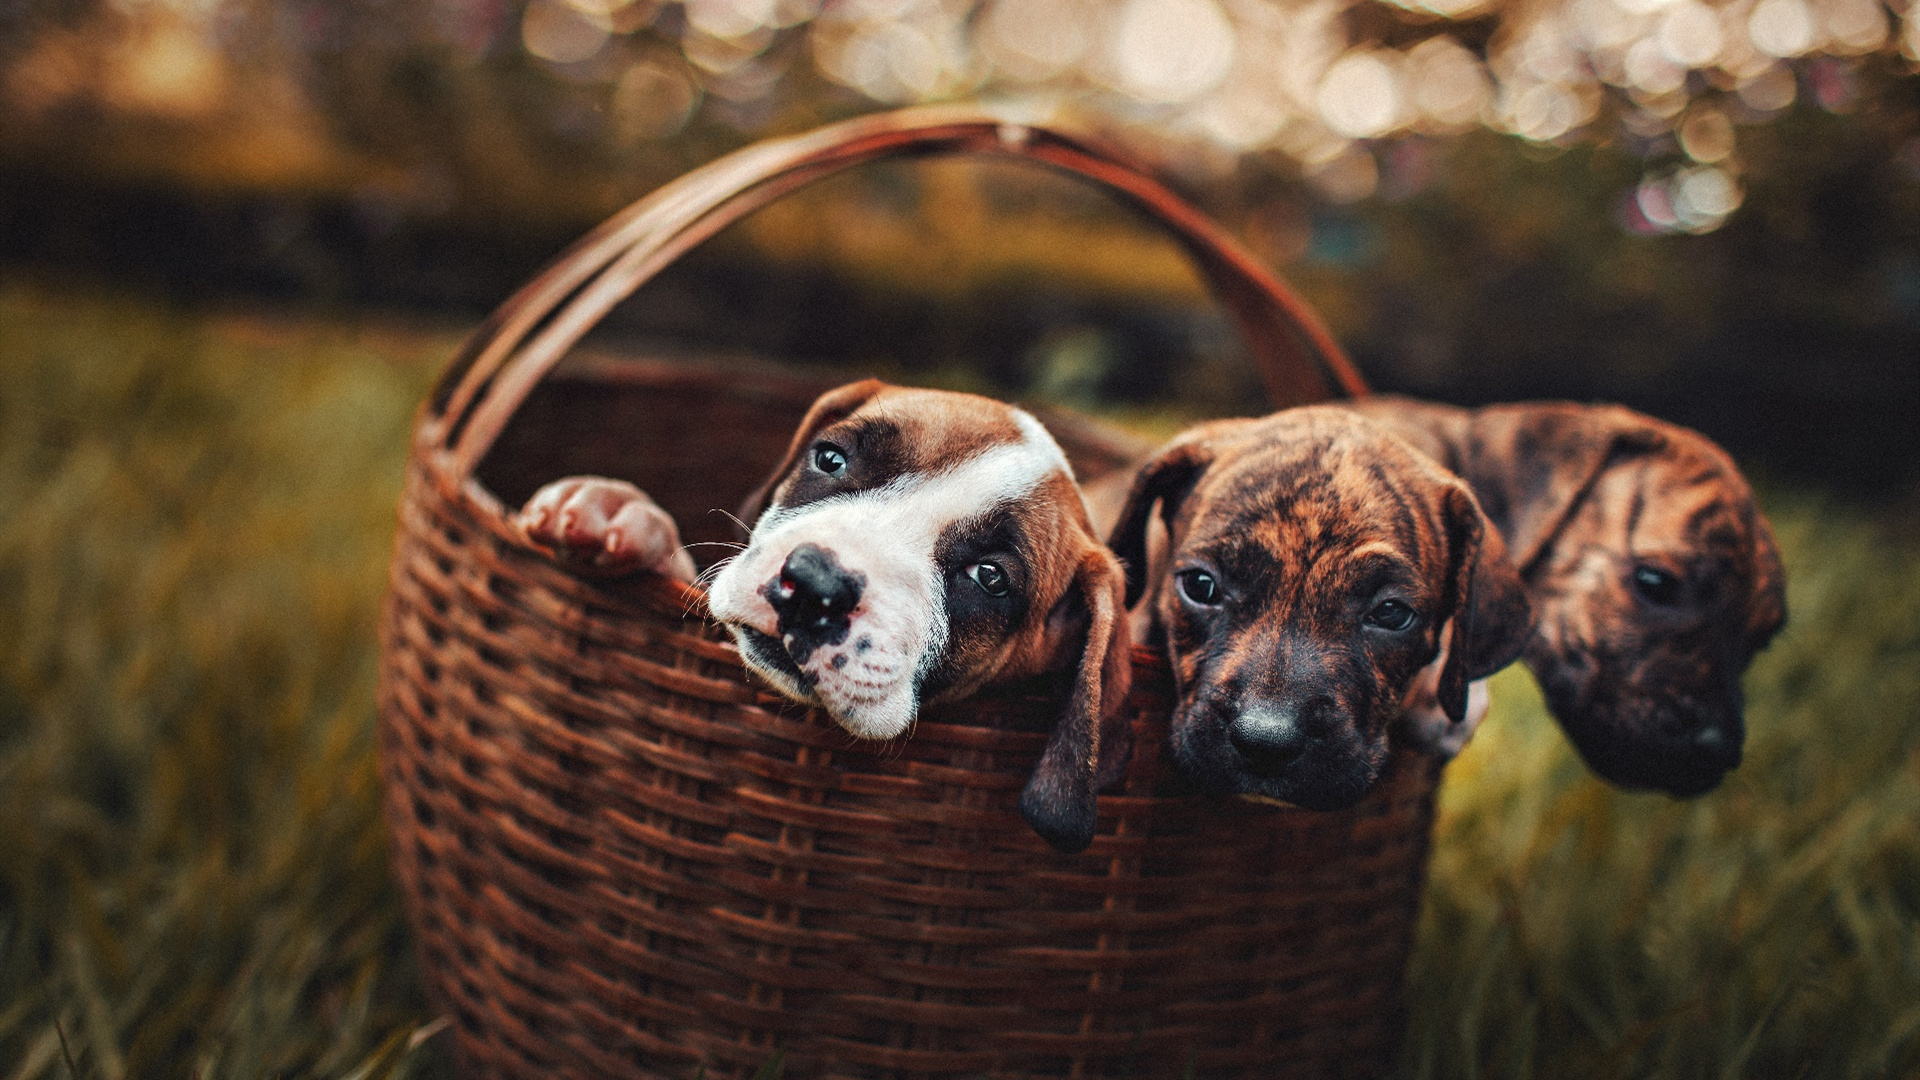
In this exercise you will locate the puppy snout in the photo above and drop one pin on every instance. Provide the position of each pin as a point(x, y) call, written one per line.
point(813, 597)
point(1272, 736)
point(1718, 743)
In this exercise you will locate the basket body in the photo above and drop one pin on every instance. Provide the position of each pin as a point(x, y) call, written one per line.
point(624, 860)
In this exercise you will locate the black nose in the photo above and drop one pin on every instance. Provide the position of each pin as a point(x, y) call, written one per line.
point(813, 596)
point(1718, 743)
point(1270, 736)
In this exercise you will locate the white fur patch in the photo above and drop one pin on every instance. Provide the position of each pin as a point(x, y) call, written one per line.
point(1426, 723)
point(869, 682)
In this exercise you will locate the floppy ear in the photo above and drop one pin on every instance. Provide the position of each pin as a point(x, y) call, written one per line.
point(1059, 800)
point(1491, 619)
point(1532, 466)
point(1166, 478)
point(829, 408)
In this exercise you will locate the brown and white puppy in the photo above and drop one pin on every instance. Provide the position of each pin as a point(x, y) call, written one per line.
point(1653, 576)
point(915, 546)
point(1316, 565)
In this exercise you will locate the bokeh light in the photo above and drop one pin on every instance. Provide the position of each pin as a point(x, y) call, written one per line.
point(1170, 50)
point(1781, 27)
point(1360, 96)
point(562, 33)
point(1319, 82)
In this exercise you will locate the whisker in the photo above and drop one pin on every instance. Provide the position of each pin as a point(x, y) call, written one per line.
point(704, 581)
point(692, 602)
point(744, 527)
point(895, 749)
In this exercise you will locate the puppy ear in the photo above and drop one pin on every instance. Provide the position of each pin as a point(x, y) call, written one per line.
point(1059, 800)
point(830, 408)
point(1533, 466)
point(1166, 479)
point(1491, 619)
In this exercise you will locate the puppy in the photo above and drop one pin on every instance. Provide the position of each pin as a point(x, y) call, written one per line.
point(1316, 567)
point(1653, 576)
point(915, 546)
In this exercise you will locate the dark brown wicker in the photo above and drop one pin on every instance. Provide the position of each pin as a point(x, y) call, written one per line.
point(623, 858)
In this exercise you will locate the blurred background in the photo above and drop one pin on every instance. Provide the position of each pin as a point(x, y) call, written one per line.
point(239, 237)
point(1708, 210)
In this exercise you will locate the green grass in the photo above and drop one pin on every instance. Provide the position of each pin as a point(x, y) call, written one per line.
point(1771, 929)
point(194, 521)
point(195, 513)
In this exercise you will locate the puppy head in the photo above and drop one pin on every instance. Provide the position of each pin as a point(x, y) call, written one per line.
point(1314, 561)
point(916, 545)
point(1655, 580)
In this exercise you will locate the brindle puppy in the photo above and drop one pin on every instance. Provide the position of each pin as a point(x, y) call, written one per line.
point(1654, 578)
point(1314, 561)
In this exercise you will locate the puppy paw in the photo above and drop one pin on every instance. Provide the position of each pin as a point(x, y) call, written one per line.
point(605, 528)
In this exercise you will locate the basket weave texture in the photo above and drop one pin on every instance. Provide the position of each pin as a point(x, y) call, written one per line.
point(623, 858)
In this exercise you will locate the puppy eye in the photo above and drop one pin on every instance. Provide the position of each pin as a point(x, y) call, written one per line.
point(1200, 587)
point(1393, 615)
point(991, 578)
point(1656, 586)
point(830, 459)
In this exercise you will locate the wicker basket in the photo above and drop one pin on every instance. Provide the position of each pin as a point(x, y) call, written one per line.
point(623, 858)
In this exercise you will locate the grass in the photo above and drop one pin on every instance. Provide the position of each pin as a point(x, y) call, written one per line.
point(194, 517)
point(195, 512)
point(1771, 929)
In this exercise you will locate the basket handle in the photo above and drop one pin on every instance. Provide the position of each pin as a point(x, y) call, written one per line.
point(520, 342)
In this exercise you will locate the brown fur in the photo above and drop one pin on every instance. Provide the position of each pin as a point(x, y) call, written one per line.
point(1586, 496)
point(1070, 613)
point(1309, 521)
